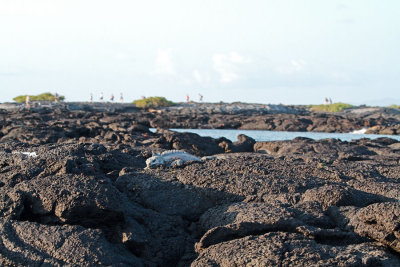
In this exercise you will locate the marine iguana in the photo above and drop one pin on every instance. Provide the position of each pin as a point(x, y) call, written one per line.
point(177, 158)
point(27, 154)
point(170, 158)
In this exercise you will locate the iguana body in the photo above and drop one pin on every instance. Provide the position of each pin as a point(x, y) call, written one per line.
point(170, 158)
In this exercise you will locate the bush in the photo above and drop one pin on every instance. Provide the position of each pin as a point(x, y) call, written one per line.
point(335, 107)
point(394, 106)
point(41, 97)
point(153, 102)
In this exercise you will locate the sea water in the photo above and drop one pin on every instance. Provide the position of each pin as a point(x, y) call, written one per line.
point(261, 135)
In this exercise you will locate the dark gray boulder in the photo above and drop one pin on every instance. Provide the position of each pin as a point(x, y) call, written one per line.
point(190, 142)
point(291, 249)
point(71, 199)
point(379, 221)
point(33, 244)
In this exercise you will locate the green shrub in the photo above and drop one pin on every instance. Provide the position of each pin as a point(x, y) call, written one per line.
point(335, 107)
point(394, 106)
point(41, 97)
point(153, 102)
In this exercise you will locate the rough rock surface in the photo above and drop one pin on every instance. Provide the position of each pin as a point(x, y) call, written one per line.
point(291, 249)
point(373, 120)
point(275, 117)
point(33, 244)
point(86, 199)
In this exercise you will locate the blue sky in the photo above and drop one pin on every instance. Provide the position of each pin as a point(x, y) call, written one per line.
point(291, 52)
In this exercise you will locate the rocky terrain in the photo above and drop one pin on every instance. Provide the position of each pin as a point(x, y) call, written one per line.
point(372, 120)
point(275, 118)
point(74, 190)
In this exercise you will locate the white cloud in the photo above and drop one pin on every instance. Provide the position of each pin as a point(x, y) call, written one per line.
point(346, 21)
point(226, 65)
point(292, 67)
point(298, 65)
point(340, 76)
point(121, 56)
point(197, 76)
point(341, 6)
point(201, 77)
point(164, 62)
point(38, 8)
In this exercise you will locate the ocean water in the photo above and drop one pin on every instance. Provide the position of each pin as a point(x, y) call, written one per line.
point(260, 135)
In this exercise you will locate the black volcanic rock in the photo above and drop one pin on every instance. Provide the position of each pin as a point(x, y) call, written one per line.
point(33, 244)
point(244, 144)
point(189, 142)
point(74, 191)
point(266, 250)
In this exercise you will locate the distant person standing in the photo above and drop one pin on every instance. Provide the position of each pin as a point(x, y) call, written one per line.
point(27, 102)
point(101, 96)
point(91, 97)
point(112, 97)
point(121, 98)
point(201, 97)
point(330, 101)
point(56, 97)
point(326, 101)
point(187, 98)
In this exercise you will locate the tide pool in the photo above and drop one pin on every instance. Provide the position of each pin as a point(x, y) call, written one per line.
point(260, 135)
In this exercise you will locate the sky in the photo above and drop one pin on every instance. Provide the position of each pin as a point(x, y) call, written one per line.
point(257, 51)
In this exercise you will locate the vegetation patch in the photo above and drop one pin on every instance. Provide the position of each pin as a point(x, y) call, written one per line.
point(394, 106)
point(335, 107)
point(153, 102)
point(41, 97)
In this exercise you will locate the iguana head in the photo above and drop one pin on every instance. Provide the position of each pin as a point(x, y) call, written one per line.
point(155, 161)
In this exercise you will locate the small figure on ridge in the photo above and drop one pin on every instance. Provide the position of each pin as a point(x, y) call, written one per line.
point(27, 102)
